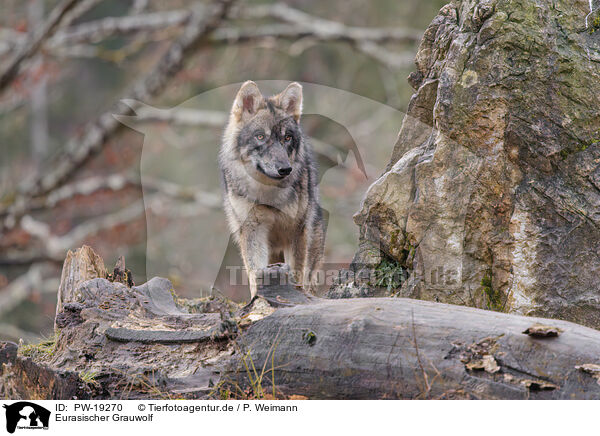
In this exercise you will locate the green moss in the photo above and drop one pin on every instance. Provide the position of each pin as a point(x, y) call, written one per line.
point(89, 377)
point(394, 237)
point(564, 153)
point(486, 281)
point(493, 298)
point(372, 252)
point(309, 337)
point(43, 349)
point(389, 274)
point(594, 23)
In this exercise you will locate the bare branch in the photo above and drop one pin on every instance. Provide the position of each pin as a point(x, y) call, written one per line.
point(301, 27)
point(165, 198)
point(81, 8)
point(201, 24)
point(36, 41)
point(62, 45)
point(58, 246)
point(315, 29)
point(312, 36)
point(182, 116)
point(99, 30)
point(39, 278)
point(203, 199)
point(11, 39)
point(117, 182)
point(55, 247)
point(139, 6)
point(15, 333)
point(326, 29)
point(88, 186)
point(391, 60)
point(305, 26)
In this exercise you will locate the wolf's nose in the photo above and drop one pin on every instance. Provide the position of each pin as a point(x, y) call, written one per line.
point(284, 171)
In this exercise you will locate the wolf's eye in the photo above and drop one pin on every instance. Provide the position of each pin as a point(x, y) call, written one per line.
point(260, 136)
point(288, 138)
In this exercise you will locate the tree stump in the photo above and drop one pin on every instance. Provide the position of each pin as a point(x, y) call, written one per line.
point(81, 265)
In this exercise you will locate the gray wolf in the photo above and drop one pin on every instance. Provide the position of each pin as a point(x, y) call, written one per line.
point(269, 180)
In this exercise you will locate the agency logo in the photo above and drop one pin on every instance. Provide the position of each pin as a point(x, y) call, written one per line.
point(26, 415)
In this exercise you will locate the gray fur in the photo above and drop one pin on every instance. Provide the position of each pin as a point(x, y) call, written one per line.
point(268, 211)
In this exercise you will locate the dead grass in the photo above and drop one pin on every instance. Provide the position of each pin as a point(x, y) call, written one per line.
point(253, 385)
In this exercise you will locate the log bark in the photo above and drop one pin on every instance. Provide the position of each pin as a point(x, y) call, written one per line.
point(367, 348)
point(26, 379)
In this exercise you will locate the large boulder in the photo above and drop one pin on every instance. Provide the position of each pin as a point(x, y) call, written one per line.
point(492, 195)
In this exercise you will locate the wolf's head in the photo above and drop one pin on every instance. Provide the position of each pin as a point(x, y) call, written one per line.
point(264, 133)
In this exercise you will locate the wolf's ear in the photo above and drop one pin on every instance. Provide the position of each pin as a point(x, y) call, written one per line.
point(247, 101)
point(290, 100)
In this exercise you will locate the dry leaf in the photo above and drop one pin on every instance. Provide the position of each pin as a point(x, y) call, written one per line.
point(543, 331)
point(590, 368)
point(487, 363)
point(297, 397)
point(538, 385)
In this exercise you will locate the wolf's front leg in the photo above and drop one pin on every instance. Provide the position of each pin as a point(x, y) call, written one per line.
point(315, 240)
point(253, 242)
point(295, 255)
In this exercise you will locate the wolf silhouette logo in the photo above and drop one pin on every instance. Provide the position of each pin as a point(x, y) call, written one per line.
point(24, 414)
point(349, 135)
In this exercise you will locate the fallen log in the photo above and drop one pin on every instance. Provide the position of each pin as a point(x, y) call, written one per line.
point(367, 348)
point(115, 341)
point(411, 349)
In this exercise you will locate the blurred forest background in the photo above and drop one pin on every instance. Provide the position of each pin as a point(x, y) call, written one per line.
point(69, 171)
